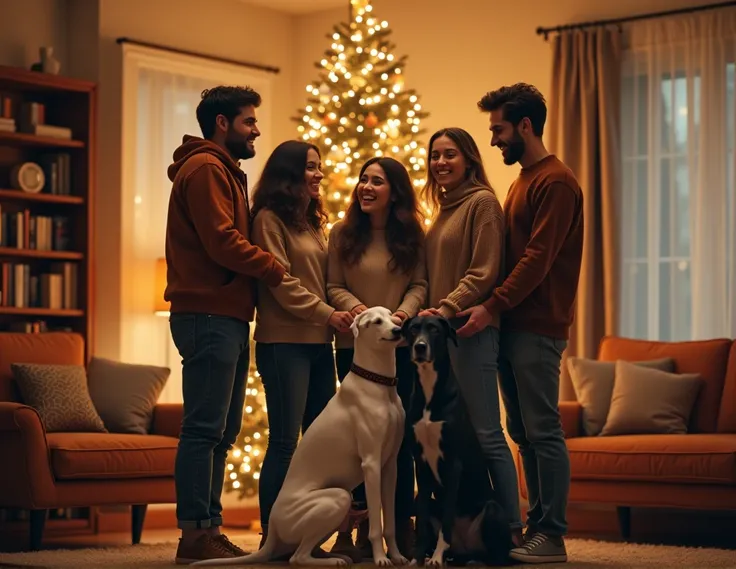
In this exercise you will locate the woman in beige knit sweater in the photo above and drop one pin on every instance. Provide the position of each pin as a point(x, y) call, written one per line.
point(464, 261)
point(294, 323)
point(376, 258)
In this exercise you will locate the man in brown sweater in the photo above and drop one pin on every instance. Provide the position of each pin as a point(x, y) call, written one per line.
point(536, 304)
point(212, 274)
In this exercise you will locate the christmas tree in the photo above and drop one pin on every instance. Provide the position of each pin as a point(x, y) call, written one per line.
point(244, 460)
point(359, 108)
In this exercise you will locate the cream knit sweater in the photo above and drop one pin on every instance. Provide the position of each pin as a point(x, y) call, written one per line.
point(465, 250)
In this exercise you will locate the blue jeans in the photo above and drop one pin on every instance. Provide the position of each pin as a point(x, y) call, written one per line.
point(529, 370)
point(299, 381)
point(215, 358)
point(475, 365)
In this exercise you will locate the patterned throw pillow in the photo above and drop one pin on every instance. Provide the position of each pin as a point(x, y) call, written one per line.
point(60, 395)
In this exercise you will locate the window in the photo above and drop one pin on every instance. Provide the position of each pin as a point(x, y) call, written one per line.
point(161, 91)
point(677, 201)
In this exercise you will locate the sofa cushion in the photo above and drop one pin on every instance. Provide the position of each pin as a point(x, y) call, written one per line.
point(85, 456)
point(125, 394)
point(59, 393)
point(694, 459)
point(650, 401)
point(705, 357)
point(593, 382)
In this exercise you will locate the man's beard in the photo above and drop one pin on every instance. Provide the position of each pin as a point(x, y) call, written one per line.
point(515, 149)
point(238, 147)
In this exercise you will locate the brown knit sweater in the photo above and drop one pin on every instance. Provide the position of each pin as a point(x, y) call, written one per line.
point(465, 250)
point(370, 282)
point(295, 311)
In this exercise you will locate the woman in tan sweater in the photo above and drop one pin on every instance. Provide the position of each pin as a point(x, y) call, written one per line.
point(464, 261)
point(294, 323)
point(376, 258)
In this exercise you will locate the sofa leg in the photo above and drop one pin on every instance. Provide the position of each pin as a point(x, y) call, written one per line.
point(38, 520)
point(624, 521)
point(137, 517)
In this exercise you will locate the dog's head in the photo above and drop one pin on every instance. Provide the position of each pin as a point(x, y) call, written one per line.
point(427, 336)
point(376, 326)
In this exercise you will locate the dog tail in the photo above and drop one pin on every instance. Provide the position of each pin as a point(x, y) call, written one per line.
point(263, 555)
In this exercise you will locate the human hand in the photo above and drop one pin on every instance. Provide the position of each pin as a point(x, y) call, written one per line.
point(479, 319)
point(429, 312)
point(340, 320)
point(358, 309)
point(398, 317)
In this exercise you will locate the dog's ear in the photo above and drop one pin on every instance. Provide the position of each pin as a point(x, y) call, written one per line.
point(449, 330)
point(405, 325)
point(355, 326)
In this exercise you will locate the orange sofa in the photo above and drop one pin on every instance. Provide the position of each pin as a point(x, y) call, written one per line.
point(63, 470)
point(696, 470)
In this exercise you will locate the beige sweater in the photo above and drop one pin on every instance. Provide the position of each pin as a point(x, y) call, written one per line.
point(370, 282)
point(296, 311)
point(465, 250)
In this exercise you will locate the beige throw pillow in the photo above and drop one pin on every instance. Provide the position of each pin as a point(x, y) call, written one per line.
point(593, 384)
point(60, 395)
point(125, 394)
point(650, 401)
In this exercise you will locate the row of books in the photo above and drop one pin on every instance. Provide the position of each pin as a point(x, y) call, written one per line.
point(25, 230)
point(56, 288)
point(28, 117)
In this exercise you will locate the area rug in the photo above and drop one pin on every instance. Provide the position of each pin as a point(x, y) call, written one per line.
point(582, 554)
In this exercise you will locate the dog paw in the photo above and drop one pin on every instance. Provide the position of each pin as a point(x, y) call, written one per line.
point(398, 559)
point(435, 563)
point(382, 561)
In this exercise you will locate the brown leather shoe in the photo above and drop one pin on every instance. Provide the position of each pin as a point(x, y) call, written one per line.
point(204, 547)
point(231, 546)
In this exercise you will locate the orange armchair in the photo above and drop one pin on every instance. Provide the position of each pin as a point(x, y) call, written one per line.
point(63, 470)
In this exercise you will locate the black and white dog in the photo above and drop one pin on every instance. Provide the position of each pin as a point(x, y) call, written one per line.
point(456, 505)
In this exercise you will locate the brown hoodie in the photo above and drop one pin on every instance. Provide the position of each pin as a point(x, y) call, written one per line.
point(212, 266)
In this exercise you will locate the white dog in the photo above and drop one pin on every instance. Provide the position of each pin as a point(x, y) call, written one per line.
point(356, 438)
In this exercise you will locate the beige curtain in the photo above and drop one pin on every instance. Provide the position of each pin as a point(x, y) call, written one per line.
point(584, 122)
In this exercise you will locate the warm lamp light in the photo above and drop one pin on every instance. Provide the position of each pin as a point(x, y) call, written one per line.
point(160, 306)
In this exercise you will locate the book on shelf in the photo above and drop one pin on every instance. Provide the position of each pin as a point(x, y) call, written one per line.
point(23, 286)
point(26, 230)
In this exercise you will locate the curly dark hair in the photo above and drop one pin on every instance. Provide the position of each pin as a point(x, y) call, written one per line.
point(223, 100)
point(281, 187)
point(404, 230)
point(517, 101)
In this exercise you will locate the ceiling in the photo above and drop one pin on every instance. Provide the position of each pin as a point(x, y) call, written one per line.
point(300, 6)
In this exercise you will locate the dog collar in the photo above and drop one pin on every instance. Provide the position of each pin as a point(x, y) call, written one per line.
point(374, 377)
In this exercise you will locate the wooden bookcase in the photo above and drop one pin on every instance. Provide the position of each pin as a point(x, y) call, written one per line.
point(46, 236)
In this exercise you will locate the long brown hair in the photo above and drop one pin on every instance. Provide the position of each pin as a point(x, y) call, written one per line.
point(281, 187)
point(475, 174)
point(404, 232)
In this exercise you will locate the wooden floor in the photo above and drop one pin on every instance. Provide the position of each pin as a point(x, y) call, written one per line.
point(670, 527)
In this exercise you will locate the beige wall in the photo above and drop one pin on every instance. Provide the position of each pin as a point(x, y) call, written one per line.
point(457, 51)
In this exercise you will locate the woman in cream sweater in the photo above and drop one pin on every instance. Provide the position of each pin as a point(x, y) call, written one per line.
point(464, 261)
point(294, 323)
point(376, 258)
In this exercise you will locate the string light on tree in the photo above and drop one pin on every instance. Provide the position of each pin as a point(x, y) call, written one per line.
point(359, 108)
point(243, 468)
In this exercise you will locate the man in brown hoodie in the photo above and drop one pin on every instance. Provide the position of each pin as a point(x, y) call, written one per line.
point(212, 274)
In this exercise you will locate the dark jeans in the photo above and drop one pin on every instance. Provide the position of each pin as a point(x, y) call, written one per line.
point(405, 371)
point(215, 359)
point(529, 372)
point(299, 381)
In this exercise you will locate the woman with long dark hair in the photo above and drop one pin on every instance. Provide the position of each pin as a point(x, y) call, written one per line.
point(465, 246)
point(376, 258)
point(294, 323)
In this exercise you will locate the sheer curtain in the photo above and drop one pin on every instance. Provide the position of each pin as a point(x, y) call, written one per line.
point(678, 206)
point(161, 94)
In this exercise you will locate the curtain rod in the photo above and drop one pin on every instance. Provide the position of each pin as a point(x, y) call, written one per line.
point(267, 68)
point(617, 21)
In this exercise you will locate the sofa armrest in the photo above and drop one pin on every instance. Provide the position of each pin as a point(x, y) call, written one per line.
point(167, 418)
point(571, 416)
point(26, 480)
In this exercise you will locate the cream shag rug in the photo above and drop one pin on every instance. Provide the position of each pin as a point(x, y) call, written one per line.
point(582, 554)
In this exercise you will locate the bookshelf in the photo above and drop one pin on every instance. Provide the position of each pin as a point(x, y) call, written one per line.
point(47, 161)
